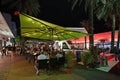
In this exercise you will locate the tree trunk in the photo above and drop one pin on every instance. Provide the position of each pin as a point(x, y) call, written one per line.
point(22, 45)
point(113, 31)
point(91, 39)
point(85, 42)
point(118, 34)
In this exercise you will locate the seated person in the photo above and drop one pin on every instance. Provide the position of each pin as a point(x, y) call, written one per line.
point(41, 56)
point(59, 55)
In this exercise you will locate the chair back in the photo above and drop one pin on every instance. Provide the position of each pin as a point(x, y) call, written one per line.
point(61, 61)
point(43, 64)
point(53, 63)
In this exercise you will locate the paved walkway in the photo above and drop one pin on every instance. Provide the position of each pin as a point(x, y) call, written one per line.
point(111, 64)
point(16, 67)
point(92, 74)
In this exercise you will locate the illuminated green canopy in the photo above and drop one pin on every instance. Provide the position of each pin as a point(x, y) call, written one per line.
point(35, 28)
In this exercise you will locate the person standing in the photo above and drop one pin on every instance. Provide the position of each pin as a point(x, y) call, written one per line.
point(119, 55)
point(116, 52)
point(3, 51)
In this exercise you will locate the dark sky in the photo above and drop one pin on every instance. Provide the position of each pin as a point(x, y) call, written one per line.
point(59, 12)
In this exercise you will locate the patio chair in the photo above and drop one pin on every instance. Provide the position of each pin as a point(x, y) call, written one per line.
point(43, 65)
point(61, 62)
point(53, 64)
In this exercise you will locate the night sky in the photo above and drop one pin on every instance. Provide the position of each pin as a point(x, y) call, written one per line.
point(59, 12)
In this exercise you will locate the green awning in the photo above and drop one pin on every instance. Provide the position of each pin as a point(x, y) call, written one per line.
point(36, 28)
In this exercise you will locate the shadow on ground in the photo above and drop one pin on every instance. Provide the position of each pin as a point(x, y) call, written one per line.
point(19, 68)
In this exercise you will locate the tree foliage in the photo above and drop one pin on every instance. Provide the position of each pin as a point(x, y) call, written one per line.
point(31, 7)
point(106, 8)
point(103, 9)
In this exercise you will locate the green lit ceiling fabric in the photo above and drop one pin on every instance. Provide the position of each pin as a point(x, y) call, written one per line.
point(36, 28)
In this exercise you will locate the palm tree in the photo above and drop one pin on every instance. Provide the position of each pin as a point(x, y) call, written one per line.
point(102, 9)
point(30, 7)
point(109, 9)
point(118, 32)
point(89, 7)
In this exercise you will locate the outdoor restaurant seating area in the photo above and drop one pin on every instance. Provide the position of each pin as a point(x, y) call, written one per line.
point(55, 59)
point(51, 64)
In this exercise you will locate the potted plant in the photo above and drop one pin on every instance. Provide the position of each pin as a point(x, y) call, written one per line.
point(70, 58)
point(87, 58)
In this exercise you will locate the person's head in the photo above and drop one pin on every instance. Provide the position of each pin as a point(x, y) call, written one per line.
point(46, 53)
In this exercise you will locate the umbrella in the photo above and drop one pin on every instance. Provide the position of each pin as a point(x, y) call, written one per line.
point(36, 28)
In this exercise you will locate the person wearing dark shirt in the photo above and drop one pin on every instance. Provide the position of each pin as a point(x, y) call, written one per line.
point(116, 52)
point(3, 51)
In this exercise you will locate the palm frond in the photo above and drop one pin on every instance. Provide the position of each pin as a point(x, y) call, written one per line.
point(4, 2)
point(87, 4)
point(75, 3)
point(106, 8)
point(103, 1)
point(33, 6)
point(24, 6)
point(15, 4)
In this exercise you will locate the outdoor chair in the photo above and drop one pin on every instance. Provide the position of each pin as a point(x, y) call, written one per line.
point(53, 64)
point(43, 64)
point(61, 62)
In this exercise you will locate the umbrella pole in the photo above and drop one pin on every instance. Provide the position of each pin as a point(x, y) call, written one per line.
point(52, 34)
point(85, 42)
